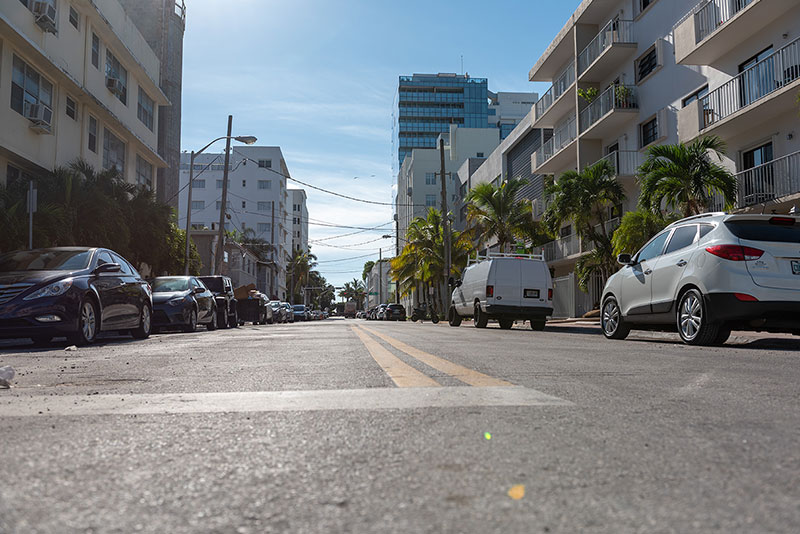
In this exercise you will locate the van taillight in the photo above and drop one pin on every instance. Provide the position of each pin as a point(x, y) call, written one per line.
point(550, 294)
point(735, 252)
point(489, 291)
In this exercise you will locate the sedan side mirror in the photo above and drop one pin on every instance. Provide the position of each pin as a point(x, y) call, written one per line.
point(199, 290)
point(625, 259)
point(108, 268)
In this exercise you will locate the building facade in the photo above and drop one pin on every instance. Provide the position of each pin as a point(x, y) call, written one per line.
point(258, 200)
point(162, 23)
point(299, 220)
point(77, 80)
point(378, 284)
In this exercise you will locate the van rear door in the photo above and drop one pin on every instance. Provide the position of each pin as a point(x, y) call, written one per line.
point(506, 278)
point(534, 277)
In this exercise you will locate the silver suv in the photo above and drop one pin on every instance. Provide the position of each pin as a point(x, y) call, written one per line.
point(707, 274)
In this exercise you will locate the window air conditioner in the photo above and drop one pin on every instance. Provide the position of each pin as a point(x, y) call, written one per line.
point(40, 116)
point(115, 85)
point(45, 13)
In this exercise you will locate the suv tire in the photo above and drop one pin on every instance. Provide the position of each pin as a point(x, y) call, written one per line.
point(692, 320)
point(611, 321)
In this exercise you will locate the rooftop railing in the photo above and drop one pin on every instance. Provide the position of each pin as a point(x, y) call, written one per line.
point(616, 31)
point(714, 14)
point(753, 84)
point(562, 136)
point(615, 97)
point(559, 87)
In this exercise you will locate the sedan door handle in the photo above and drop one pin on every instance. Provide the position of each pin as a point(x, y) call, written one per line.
point(682, 263)
point(648, 271)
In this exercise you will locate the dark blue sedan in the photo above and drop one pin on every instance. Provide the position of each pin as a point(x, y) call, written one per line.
point(183, 302)
point(72, 292)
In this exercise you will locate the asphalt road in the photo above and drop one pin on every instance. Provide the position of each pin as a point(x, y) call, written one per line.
point(355, 426)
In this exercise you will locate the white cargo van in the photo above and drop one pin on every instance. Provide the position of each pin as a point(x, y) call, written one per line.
point(505, 287)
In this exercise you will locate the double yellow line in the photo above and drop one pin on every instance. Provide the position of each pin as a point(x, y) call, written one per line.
point(406, 376)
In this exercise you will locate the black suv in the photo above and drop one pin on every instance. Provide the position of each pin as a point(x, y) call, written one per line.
point(395, 312)
point(222, 287)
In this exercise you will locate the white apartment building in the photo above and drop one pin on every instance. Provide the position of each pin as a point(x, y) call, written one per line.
point(299, 220)
point(666, 71)
point(378, 284)
point(258, 199)
point(506, 109)
point(77, 80)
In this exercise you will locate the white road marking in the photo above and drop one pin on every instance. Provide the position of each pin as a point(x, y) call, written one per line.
point(275, 401)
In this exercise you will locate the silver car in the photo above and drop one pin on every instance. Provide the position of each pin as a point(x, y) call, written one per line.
point(707, 274)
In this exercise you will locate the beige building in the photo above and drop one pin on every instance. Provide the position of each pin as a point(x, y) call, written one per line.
point(77, 80)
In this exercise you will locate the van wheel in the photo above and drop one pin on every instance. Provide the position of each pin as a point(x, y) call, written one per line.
point(453, 317)
point(506, 324)
point(538, 324)
point(479, 317)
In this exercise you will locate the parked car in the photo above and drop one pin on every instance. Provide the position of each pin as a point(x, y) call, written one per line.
point(183, 302)
point(707, 274)
point(380, 312)
point(288, 312)
point(278, 312)
point(299, 312)
point(255, 309)
point(222, 287)
point(504, 287)
point(74, 292)
point(395, 312)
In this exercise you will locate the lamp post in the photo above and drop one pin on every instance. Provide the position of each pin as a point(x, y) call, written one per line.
point(246, 139)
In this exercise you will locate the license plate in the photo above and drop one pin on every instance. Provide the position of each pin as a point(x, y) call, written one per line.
point(531, 293)
point(795, 266)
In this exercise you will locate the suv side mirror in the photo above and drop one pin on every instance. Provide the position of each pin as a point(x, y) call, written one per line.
point(625, 259)
point(108, 268)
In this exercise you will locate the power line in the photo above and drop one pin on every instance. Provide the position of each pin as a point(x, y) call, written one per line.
point(353, 258)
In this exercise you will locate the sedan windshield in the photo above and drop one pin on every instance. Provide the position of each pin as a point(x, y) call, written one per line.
point(45, 260)
point(168, 285)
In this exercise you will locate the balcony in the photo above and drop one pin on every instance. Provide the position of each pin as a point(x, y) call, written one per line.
point(625, 162)
point(772, 181)
point(715, 27)
point(763, 91)
point(602, 57)
point(557, 101)
point(553, 156)
point(572, 246)
point(609, 111)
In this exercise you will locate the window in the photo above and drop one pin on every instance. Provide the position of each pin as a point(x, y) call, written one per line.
point(430, 178)
point(565, 231)
point(244, 204)
point(198, 205)
point(95, 51)
point(646, 64)
point(265, 184)
point(92, 134)
point(113, 152)
point(265, 163)
point(123, 265)
point(700, 93)
point(198, 226)
point(479, 155)
point(244, 183)
point(115, 70)
point(144, 109)
point(704, 229)
point(144, 172)
point(264, 206)
point(219, 184)
point(73, 18)
point(649, 132)
point(682, 237)
point(644, 4)
point(653, 248)
point(430, 200)
point(72, 109)
point(104, 258)
point(264, 228)
point(28, 88)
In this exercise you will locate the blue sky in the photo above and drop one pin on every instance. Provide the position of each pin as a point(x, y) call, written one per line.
point(318, 78)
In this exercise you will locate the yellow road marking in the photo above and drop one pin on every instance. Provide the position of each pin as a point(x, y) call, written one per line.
point(400, 372)
point(466, 375)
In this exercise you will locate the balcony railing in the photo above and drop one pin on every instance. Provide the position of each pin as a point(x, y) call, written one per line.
point(560, 85)
point(753, 84)
point(714, 14)
point(625, 162)
point(616, 31)
point(562, 136)
point(615, 97)
point(573, 244)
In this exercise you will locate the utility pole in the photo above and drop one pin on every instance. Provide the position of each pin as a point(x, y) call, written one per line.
point(445, 217)
point(221, 234)
point(272, 249)
point(31, 209)
point(188, 216)
point(380, 277)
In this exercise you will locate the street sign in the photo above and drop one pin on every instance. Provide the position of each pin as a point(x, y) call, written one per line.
point(372, 293)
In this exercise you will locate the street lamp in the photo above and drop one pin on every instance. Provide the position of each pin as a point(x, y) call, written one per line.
point(246, 139)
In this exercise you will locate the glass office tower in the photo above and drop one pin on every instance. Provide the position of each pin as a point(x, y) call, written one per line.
point(429, 103)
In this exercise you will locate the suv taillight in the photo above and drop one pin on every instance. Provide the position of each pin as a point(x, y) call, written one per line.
point(735, 252)
point(489, 291)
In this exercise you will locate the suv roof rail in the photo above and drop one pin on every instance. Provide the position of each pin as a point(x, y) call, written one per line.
point(491, 255)
point(695, 217)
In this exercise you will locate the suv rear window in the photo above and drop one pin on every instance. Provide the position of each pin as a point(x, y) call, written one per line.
point(213, 283)
point(763, 230)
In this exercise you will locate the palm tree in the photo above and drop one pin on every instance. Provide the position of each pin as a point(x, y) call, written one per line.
point(684, 178)
point(354, 290)
point(583, 199)
point(299, 270)
point(496, 211)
